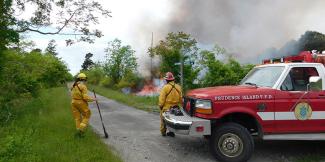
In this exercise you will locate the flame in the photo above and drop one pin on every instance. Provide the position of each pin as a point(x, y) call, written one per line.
point(151, 88)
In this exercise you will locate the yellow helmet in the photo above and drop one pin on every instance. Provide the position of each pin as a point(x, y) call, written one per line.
point(81, 76)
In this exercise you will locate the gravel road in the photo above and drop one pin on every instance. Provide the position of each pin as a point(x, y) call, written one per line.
point(135, 136)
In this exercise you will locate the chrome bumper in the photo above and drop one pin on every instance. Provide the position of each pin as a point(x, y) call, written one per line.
point(186, 124)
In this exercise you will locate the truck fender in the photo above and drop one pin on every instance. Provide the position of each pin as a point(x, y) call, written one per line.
point(247, 111)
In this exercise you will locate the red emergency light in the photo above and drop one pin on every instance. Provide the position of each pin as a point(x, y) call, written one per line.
point(304, 56)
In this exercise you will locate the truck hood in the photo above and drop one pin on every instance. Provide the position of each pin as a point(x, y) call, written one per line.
point(224, 91)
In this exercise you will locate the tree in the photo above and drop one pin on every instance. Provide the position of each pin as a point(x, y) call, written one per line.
point(24, 74)
point(23, 45)
point(50, 17)
point(218, 73)
point(95, 74)
point(56, 15)
point(312, 40)
point(51, 48)
point(88, 62)
point(176, 47)
point(120, 61)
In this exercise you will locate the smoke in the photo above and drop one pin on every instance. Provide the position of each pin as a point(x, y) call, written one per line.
point(245, 28)
point(250, 30)
point(292, 47)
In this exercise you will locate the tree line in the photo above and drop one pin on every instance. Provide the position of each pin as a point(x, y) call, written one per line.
point(23, 72)
point(201, 68)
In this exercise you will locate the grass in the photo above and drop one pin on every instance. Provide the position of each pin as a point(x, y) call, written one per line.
point(149, 104)
point(43, 130)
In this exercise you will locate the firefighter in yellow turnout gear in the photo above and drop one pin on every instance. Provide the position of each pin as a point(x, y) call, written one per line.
point(79, 104)
point(170, 95)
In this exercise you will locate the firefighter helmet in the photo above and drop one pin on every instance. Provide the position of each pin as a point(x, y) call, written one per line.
point(169, 76)
point(82, 76)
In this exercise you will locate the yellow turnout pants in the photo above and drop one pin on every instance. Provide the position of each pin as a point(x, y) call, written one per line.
point(81, 114)
point(162, 124)
point(163, 128)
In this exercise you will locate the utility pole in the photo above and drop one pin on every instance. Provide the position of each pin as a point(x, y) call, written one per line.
point(181, 67)
point(151, 56)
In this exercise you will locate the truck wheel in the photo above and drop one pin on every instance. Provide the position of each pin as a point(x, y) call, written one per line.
point(231, 142)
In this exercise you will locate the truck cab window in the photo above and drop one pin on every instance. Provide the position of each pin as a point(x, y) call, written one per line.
point(287, 84)
point(257, 76)
point(298, 78)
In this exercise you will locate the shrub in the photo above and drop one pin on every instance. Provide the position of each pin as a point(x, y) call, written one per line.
point(107, 82)
point(95, 75)
point(24, 74)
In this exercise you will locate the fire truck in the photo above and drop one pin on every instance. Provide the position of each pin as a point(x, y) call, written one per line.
point(282, 99)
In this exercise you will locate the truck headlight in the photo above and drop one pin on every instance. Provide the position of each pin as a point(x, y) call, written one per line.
point(203, 106)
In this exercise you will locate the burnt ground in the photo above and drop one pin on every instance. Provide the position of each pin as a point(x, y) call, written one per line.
point(135, 136)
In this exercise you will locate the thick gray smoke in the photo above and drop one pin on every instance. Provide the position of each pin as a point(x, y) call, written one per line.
point(250, 30)
point(245, 28)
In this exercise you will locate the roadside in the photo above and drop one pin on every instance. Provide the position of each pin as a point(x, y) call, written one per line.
point(43, 130)
point(135, 135)
point(148, 103)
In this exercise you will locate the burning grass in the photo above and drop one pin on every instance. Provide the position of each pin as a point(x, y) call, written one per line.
point(146, 103)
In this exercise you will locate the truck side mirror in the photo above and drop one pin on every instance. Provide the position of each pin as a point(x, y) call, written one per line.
point(315, 83)
point(314, 79)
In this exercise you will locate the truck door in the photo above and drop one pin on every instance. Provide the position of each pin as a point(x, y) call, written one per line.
point(297, 110)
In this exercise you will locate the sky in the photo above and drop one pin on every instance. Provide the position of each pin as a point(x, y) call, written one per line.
point(245, 28)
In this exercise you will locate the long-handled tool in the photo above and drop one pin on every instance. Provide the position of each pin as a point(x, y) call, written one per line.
point(100, 114)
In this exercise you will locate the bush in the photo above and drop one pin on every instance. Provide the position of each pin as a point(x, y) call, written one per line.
point(123, 83)
point(219, 73)
point(24, 74)
point(95, 75)
point(107, 82)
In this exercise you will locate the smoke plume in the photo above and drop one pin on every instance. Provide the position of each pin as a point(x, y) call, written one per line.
point(247, 29)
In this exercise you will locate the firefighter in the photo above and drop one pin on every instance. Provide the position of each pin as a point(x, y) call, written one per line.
point(79, 104)
point(170, 96)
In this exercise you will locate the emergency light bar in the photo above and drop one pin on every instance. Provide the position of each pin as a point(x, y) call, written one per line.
point(304, 56)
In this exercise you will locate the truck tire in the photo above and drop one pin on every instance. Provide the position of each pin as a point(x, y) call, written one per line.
point(231, 142)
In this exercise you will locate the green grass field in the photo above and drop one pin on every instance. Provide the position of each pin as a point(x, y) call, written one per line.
point(43, 130)
point(144, 103)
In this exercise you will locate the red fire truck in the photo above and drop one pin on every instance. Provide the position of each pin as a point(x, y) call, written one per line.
point(283, 99)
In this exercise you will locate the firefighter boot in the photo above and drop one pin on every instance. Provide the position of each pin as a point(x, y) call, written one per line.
point(171, 134)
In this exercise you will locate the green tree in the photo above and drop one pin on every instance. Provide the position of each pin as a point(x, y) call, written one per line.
point(170, 50)
point(88, 63)
point(23, 45)
point(26, 73)
point(95, 74)
point(51, 48)
point(120, 61)
point(23, 73)
point(218, 73)
point(7, 33)
point(57, 14)
point(50, 17)
point(312, 40)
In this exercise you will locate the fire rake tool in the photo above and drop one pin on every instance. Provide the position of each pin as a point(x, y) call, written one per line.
point(100, 115)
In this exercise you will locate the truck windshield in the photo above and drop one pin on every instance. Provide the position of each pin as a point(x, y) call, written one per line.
point(263, 76)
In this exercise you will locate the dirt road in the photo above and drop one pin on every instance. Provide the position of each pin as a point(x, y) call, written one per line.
point(135, 136)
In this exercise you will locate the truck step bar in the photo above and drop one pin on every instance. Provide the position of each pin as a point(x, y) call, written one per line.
point(306, 136)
